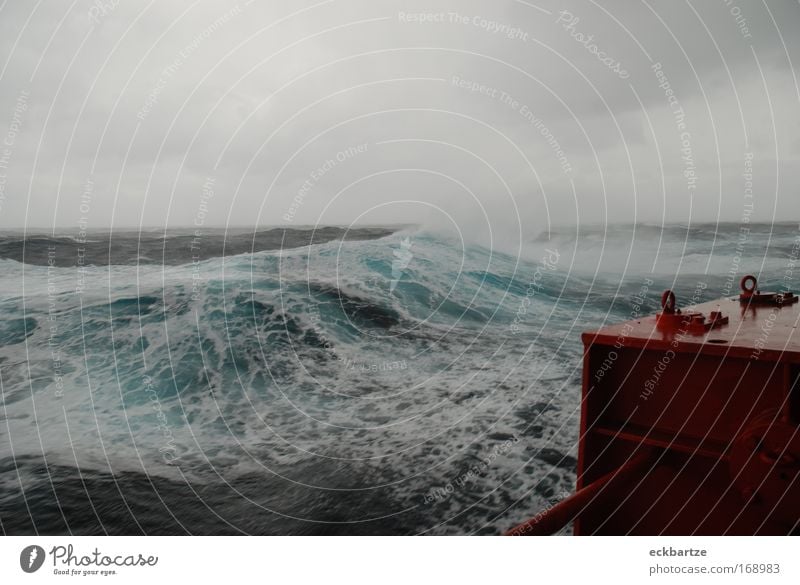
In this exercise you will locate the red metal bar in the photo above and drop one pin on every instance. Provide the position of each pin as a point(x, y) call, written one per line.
point(597, 493)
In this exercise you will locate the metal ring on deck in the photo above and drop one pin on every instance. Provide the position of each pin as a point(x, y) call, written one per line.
point(668, 301)
point(749, 279)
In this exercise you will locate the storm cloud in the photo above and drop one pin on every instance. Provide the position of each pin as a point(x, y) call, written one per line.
point(504, 116)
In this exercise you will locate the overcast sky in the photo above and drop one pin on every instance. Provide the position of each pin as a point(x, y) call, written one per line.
point(292, 112)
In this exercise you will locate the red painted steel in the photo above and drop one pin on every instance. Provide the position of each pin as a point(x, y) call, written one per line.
point(598, 494)
point(751, 294)
point(715, 390)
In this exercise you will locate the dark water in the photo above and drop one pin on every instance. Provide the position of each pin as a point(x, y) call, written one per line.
point(62, 501)
point(320, 382)
point(171, 249)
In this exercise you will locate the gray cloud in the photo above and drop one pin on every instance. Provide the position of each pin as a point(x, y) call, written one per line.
point(495, 108)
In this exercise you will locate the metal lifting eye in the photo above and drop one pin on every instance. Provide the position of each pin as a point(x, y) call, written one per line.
point(668, 301)
point(749, 284)
point(752, 296)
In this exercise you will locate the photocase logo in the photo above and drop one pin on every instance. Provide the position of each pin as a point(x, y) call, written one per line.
point(31, 558)
point(402, 258)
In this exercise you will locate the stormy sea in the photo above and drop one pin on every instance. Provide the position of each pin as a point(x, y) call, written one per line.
point(383, 380)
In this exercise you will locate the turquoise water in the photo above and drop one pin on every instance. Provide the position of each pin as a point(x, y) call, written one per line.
point(404, 384)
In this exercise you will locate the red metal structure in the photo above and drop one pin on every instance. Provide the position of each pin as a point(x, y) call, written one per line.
point(689, 422)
